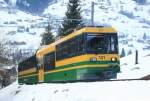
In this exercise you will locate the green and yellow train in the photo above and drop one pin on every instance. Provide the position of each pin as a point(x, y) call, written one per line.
point(88, 54)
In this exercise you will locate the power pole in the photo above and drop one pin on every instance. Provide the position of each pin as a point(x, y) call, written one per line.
point(136, 57)
point(92, 13)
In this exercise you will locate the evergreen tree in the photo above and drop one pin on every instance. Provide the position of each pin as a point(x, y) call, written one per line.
point(129, 52)
point(73, 18)
point(27, 29)
point(47, 36)
point(144, 36)
point(122, 53)
point(1, 49)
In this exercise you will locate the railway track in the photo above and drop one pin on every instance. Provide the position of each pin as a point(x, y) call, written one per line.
point(128, 80)
point(86, 81)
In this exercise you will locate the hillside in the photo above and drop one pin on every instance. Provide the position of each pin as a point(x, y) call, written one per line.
point(19, 29)
point(32, 6)
point(130, 19)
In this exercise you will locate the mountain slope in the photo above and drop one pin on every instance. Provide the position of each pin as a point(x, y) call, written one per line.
point(32, 6)
point(130, 19)
point(19, 29)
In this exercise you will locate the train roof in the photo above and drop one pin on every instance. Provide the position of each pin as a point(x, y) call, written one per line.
point(51, 47)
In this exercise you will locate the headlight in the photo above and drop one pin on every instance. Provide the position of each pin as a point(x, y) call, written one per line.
point(113, 59)
point(93, 59)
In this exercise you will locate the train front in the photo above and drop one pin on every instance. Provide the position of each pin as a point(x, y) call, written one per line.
point(102, 55)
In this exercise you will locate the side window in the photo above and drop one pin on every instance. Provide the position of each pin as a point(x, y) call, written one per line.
point(112, 44)
point(70, 48)
point(81, 44)
point(27, 64)
point(59, 51)
point(49, 61)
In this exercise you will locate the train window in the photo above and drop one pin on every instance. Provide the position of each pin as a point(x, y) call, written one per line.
point(112, 41)
point(70, 48)
point(95, 42)
point(49, 61)
point(81, 44)
point(102, 43)
point(27, 64)
point(113, 44)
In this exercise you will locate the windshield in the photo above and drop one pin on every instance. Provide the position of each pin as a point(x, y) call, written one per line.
point(102, 43)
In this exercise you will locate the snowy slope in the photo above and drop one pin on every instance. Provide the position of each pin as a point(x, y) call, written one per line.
point(128, 17)
point(124, 15)
point(19, 27)
point(96, 91)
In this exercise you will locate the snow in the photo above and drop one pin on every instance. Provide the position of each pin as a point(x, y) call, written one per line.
point(130, 70)
point(12, 20)
point(95, 91)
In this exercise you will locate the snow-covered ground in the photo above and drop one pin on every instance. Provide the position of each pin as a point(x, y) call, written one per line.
point(96, 91)
point(91, 91)
point(130, 70)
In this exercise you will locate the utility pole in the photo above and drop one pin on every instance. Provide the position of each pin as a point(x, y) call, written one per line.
point(92, 13)
point(136, 57)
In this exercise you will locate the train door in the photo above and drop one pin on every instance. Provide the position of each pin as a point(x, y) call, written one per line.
point(40, 69)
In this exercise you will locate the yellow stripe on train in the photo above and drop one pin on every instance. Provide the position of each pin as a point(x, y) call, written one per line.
point(77, 67)
point(31, 70)
point(99, 57)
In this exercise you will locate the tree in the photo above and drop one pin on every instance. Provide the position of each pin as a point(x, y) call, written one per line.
point(1, 49)
point(27, 29)
point(122, 53)
point(144, 36)
point(47, 36)
point(73, 18)
point(129, 52)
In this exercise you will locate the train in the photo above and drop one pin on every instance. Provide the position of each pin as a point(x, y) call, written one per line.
point(87, 54)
